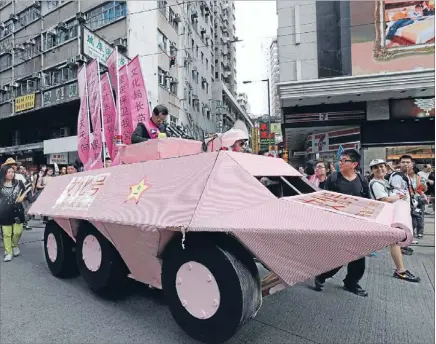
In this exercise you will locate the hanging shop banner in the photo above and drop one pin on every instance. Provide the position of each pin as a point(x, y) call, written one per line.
point(266, 138)
point(24, 103)
point(58, 158)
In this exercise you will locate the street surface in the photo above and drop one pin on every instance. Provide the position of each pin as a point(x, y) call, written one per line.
point(38, 308)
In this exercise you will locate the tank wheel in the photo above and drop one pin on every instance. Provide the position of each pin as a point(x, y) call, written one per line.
point(99, 262)
point(211, 293)
point(59, 251)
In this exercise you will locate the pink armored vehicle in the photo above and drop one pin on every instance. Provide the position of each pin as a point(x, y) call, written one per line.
point(194, 224)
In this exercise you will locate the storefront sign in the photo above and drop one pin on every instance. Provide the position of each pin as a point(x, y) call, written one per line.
point(58, 158)
point(80, 193)
point(266, 138)
point(320, 142)
point(60, 94)
point(97, 48)
point(26, 102)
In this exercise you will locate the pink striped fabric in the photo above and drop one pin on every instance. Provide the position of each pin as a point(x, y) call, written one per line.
point(109, 114)
point(93, 79)
point(124, 106)
point(83, 119)
point(212, 192)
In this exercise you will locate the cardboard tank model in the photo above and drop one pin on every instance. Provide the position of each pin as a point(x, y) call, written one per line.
point(193, 219)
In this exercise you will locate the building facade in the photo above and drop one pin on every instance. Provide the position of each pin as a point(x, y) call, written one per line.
point(274, 77)
point(360, 72)
point(188, 62)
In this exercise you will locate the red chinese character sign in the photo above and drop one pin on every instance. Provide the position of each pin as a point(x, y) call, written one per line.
point(83, 119)
point(140, 109)
point(124, 106)
point(93, 80)
point(109, 114)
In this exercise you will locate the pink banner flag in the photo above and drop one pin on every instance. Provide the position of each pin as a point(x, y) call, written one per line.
point(83, 120)
point(109, 114)
point(138, 94)
point(124, 106)
point(93, 80)
point(113, 69)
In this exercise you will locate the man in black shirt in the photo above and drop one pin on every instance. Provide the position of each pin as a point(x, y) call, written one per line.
point(158, 118)
point(348, 182)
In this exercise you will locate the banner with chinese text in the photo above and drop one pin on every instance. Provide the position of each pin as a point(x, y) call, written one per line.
point(83, 120)
point(140, 108)
point(93, 82)
point(124, 106)
point(109, 114)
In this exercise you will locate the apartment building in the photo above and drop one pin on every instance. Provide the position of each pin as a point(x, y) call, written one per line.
point(274, 77)
point(43, 43)
point(341, 68)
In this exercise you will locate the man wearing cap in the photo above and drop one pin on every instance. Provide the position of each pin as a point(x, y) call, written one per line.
point(381, 190)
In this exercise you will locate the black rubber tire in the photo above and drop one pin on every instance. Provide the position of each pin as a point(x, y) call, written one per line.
point(65, 264)
point(240, 291)
point(112, 272)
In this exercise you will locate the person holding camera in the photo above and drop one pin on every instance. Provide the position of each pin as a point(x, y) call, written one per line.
point(12, 195)
point(407, 182)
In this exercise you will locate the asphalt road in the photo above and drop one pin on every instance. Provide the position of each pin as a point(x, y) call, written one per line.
point(38, 308)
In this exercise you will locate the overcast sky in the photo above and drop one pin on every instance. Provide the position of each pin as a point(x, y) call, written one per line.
point(256, 25)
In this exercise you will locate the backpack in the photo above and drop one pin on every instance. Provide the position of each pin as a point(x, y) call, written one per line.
point(364, 191)
point(371, 189)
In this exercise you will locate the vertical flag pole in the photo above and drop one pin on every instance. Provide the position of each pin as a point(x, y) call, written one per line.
point(88, 115)
point(118, 104)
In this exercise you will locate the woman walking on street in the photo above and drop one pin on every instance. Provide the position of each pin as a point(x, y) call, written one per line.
point(12, 194)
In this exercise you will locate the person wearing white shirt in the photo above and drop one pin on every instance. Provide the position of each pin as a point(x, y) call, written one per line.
point(380, 190)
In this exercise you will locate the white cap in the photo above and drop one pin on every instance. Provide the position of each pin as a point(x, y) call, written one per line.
point(376, 162)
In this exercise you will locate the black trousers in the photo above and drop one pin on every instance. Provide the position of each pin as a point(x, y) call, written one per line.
point(355, 272)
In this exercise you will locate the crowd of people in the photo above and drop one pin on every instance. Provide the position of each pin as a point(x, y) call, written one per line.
point(384, 182)
point(19, 188)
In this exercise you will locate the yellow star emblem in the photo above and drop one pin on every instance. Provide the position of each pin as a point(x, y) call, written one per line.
point(137, 190)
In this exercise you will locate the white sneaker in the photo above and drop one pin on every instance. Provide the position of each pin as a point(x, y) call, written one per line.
point(16, 251)
point(8, 258)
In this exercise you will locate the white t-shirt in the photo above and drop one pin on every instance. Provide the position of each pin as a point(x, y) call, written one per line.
point(379, 188)
point(399, 185)
point(424, 175)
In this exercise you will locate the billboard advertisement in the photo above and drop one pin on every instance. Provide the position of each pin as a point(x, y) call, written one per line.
point(412, 108)
point(392, 35)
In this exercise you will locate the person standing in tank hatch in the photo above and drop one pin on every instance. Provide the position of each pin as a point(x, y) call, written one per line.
point(347, 182)
point(152, 129)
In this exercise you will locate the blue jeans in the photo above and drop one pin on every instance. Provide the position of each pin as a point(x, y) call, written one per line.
point(397, 25)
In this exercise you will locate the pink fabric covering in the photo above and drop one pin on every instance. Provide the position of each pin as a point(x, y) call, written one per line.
point(158, 149)
point(296, 237)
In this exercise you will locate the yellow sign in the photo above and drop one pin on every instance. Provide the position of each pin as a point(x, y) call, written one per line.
point(26, 102)
point(254, 140)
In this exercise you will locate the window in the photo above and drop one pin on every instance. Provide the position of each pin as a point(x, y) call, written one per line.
point(47, 6)
point(202, 57)
point(162, 41)
point(162, 77)
point(106, 14)
point(8, 30)
point(196, 51)
point(173, 88)
point(57, 37)
point(5, 61)
point(27, 17)
point(207, 64)
point(163, 7)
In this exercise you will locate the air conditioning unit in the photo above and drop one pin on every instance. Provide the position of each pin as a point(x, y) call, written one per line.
point(36, 76)
point(194, 97)
point(81, 17)
point(6, 88)
point(194, 14)
point(36, 4)
point(80, 58)
point(52, 32)
point(2, 26)
point(20, 47)
point(15, 85)
point(31, 42)
point(177, 18)
point(71, 62)
point(13, 17)
point(30, 85)
point(62, 27)
point(121, 43)
point(203, 30)
point(174, 81)
point(194, 68)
